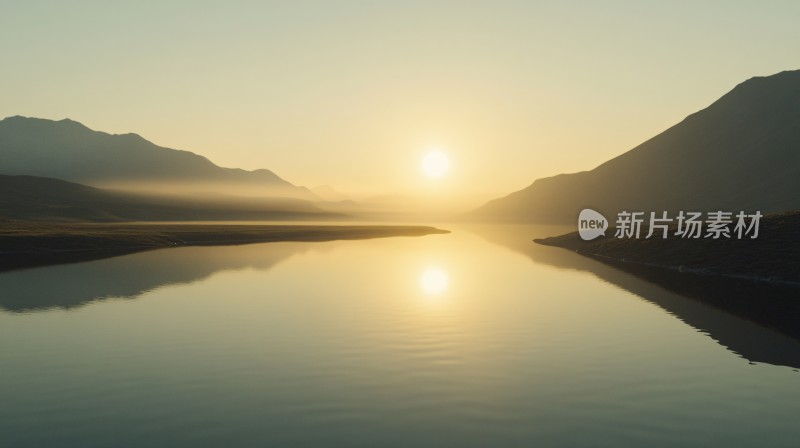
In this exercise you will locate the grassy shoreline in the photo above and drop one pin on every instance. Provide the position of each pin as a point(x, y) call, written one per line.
point(27, 244)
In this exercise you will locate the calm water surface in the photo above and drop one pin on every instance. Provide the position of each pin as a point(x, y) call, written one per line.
point(475, 338)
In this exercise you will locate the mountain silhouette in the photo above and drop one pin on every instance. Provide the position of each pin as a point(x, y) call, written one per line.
point(70, 151)
point(740, 153)
point(47, 199)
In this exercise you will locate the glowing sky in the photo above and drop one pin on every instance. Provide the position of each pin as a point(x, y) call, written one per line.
point(353, 94)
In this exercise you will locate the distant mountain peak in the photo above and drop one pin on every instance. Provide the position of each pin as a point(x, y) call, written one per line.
point(328, 193)
point(68, 150)
point(72, 122)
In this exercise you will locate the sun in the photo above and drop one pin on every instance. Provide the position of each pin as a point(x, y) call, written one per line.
point(435, 164)
point(434, 281)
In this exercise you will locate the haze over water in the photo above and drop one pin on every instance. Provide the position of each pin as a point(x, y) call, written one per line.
point(474, 338)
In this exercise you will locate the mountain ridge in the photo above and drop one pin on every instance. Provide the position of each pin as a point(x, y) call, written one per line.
point(712, 159)
point(69, 150)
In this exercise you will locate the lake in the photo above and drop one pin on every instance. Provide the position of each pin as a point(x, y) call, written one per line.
point(471, 339)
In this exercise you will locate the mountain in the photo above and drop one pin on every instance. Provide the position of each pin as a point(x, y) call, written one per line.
point(70, 151)
point(328, 193)
point(47, 199)
point(740, 153)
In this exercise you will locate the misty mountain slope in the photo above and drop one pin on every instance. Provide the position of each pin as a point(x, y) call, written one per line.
point(741, 152)
point(46, 199)
point(69, 150)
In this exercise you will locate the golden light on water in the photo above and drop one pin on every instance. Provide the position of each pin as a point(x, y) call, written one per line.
point(435, 164)
point(434, 281)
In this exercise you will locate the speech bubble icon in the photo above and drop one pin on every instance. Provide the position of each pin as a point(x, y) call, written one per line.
point(591, 224)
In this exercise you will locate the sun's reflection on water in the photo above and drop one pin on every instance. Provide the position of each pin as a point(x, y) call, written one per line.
point(434, 281)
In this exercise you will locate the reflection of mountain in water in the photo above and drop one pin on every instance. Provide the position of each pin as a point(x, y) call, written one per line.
point(73, 285)
point(756, 321)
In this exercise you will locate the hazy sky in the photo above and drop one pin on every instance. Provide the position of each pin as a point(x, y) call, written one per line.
point(352, 94)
